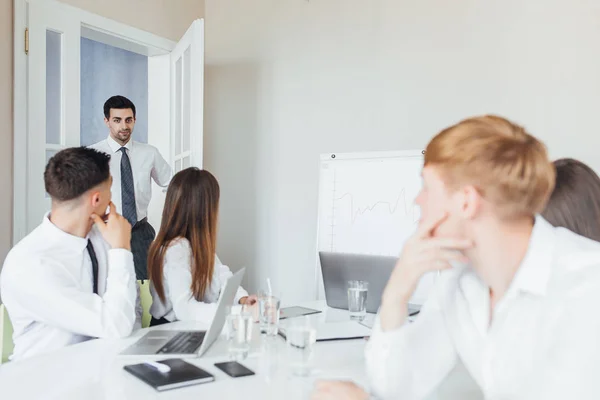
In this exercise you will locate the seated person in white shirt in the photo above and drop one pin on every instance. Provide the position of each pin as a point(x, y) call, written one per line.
point(72, 278)
point(516, 300)
point(185, 273)
point(575, 200)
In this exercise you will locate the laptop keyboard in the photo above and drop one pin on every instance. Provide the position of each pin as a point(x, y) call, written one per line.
point(183, 343)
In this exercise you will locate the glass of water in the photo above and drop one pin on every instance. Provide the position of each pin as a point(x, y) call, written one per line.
point(268, 313)
point(357, 299)
point(301, 336)
point(239, 332)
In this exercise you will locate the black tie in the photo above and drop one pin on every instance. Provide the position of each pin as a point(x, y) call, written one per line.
point(127, 189)
point(92, 254)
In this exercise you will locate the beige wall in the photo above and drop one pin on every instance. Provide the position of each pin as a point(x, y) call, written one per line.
point(6, 115)
point(167, 18)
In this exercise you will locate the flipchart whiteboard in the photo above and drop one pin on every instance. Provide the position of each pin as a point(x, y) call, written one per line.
point(367, 206)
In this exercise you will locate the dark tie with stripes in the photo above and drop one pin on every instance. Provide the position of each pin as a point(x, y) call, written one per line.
point(92, 254)
point(127, 189)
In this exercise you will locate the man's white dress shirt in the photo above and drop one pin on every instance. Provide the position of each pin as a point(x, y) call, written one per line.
point(47, 287)
point(180, 304)
point(543, 341)
point(146, 165)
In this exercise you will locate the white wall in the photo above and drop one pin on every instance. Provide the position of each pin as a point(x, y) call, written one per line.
point(287, 80)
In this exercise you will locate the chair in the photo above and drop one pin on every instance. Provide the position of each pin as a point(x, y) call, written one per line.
point(146, 300)
point(6, 331)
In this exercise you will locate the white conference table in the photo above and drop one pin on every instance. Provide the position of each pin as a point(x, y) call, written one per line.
point(94, 370)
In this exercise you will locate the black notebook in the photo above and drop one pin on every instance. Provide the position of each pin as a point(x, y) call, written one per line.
point(181, 374)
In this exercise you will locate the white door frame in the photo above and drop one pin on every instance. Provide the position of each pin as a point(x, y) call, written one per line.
point(93, 27)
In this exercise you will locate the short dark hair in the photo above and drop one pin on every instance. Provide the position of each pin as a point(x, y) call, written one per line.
point(74, 171)
point(118, 102)
point(575, 201)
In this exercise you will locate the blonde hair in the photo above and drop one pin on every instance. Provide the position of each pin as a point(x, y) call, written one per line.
point(508, 166)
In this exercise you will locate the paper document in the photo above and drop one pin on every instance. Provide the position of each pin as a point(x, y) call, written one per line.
point(338, 331)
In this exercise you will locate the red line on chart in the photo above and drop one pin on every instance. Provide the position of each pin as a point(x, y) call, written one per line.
point(392, 206)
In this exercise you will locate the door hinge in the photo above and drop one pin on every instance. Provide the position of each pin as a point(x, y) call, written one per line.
point(26, 40)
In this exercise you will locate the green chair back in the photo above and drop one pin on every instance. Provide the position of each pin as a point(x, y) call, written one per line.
point(146, 300)
point(6, 331)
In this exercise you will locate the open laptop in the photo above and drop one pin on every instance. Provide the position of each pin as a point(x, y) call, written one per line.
point(339, 268)
point(188, 343)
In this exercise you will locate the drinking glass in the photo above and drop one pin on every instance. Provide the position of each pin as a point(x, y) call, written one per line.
point(357, 299)
point(268, 313)
point(239, 332)
point(301, 336)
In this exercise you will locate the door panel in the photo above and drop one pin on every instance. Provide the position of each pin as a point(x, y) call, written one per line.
point(53, 95)
point(187, 98)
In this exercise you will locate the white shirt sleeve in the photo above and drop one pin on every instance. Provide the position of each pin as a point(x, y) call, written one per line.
point(411, 361)
point(224, 274)
point(139, 310)
point(567, 356)
point(52, 296)
point(179, 278)
point(178, 275)
point(161, 170)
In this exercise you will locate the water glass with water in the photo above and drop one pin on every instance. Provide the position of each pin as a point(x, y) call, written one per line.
point(357, 299)
point(268, 313)
point(239, 332)
point(301, 336)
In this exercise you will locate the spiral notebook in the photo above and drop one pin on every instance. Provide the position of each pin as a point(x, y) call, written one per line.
point(181, 374)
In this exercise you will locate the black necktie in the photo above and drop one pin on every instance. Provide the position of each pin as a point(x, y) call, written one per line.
point(127, 189)
point(92, 254)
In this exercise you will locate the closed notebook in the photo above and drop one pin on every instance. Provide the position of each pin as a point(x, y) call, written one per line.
point(181, 374)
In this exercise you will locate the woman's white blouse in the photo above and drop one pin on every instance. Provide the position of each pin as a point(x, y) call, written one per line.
point(179, 304)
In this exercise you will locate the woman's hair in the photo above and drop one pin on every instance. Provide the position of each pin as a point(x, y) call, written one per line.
point(575, 201)
point(190, 212)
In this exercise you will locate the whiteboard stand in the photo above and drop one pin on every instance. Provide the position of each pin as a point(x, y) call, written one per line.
point(364, 194)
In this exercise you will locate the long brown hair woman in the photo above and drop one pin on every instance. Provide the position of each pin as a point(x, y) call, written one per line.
point(186, 275)
point(575, 201)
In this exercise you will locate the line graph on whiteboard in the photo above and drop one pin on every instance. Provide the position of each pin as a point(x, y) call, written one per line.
point(368, 206)
point(392, 207)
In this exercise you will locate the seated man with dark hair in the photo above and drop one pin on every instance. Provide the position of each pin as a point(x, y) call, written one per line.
point(72, 278)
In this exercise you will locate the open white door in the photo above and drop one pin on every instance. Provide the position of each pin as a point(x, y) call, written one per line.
point(176, 83)
point(184, 95)
point(187, 99)
point(52, 96)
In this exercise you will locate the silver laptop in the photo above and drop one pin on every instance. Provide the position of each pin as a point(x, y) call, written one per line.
point(339, 268)
point(188, 343)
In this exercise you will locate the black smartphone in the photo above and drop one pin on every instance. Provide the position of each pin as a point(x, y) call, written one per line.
point(234, 369)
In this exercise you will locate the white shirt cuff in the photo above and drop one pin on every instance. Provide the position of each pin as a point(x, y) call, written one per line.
point(381, 342)
point(120, 258)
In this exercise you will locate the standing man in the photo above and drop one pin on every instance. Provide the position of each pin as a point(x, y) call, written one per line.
point(132, 166)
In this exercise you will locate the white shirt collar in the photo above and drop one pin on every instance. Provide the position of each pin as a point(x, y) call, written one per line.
point(114, 146)
point(59, 236)
point(536, 268)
